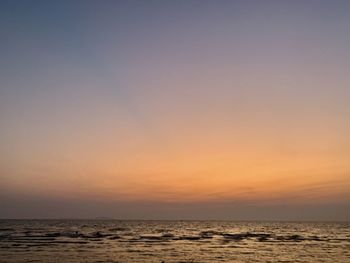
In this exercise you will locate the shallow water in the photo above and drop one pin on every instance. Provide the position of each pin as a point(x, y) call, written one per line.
point(172, 241)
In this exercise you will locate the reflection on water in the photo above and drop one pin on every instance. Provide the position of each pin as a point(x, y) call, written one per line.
point(172, 241)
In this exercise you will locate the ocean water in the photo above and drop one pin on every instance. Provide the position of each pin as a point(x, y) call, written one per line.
point(172, 241)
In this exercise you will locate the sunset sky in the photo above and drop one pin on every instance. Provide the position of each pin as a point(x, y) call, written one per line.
point(175, 109)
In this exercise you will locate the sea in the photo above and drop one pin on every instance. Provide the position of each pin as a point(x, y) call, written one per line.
point(172, 241)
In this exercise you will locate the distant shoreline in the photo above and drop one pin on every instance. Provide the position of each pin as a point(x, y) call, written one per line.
point(176, 220)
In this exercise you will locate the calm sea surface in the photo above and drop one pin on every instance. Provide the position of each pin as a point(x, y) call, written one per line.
point(172, 241)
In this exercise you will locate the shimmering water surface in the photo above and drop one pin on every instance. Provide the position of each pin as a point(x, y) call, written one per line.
point(172, 241)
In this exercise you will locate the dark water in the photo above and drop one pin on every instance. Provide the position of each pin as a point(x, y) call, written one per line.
point(172, 241)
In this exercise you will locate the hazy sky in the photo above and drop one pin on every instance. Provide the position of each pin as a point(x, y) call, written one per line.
point(175, 109)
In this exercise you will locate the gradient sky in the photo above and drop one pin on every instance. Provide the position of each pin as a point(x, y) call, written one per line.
point(175, 109)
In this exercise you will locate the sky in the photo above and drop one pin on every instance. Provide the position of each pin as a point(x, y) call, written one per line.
point(233, 110)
